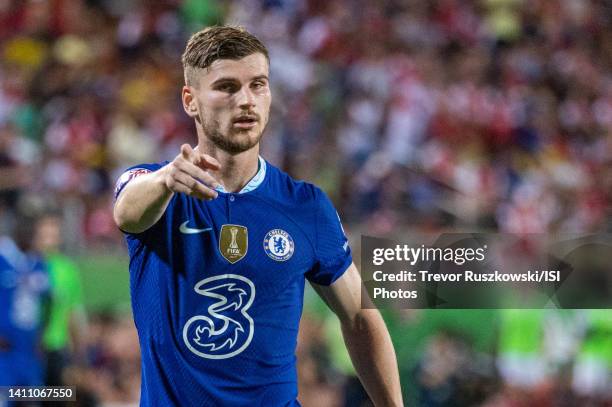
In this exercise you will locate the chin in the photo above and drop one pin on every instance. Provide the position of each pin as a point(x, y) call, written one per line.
point(239, 142)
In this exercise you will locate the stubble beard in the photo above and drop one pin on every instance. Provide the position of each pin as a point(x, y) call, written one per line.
point(231, 142)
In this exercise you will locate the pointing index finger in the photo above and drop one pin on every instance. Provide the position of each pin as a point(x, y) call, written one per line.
point(187, 152)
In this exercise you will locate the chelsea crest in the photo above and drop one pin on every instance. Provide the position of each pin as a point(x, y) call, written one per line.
point(279, 245)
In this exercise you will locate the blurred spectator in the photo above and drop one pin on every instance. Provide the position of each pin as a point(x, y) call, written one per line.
point(451, 374)
point(314, 381)
point(111, 375)
point(521, 354)
point(592, 376)
point(13, 176)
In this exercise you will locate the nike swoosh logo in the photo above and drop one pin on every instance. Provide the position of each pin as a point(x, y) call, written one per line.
point(191, 231)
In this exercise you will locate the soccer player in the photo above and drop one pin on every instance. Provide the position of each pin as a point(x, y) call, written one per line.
point(24, 290)
point(221, 243)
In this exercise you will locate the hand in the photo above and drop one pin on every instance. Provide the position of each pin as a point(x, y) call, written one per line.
point(187, 174)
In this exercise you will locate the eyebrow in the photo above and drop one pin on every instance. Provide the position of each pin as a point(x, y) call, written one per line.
point(231, 79)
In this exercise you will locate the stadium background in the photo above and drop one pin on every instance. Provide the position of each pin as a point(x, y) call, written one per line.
point(490, 115)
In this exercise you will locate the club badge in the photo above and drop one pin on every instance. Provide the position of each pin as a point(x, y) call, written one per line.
point(233, 242)
point(279, 245)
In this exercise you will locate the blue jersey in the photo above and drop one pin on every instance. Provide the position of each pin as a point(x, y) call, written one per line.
point(217, 289)
point(24, 284)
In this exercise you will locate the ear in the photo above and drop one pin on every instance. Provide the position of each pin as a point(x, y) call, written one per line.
point(189, 102)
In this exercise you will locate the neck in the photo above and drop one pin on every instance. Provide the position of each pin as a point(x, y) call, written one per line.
point(236, 169)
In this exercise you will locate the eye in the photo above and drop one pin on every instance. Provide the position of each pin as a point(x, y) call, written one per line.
point(258, 85)
point(227, 87)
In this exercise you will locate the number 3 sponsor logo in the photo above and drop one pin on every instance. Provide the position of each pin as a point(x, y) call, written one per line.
point(225, 328)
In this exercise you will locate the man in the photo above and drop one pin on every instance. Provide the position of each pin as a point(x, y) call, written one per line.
point(67, 321)
point(24, 286)
point(220, 244)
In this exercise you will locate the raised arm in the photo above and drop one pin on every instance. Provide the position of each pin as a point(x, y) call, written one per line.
point(366, 338)
point(143, 200)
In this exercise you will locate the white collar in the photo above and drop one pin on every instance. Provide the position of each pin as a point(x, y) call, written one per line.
point(255, 181)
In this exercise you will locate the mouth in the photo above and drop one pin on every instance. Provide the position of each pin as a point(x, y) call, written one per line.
point(245, 121)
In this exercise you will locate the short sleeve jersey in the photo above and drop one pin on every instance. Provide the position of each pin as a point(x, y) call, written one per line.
point(217, 289)
point(24, 288)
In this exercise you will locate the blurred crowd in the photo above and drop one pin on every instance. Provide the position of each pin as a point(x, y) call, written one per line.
point(445, 113)
point(413, 115)
point(538, 358)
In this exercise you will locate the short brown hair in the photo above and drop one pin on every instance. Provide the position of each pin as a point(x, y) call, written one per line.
point(218, 42)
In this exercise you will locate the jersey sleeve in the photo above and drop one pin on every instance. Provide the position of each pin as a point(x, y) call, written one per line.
point(332, 251)
point(132, 173)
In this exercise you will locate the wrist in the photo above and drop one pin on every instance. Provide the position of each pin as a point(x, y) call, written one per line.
point(160, 179)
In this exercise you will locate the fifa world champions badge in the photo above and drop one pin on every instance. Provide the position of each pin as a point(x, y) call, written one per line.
point(279, 245)
point(233, 242)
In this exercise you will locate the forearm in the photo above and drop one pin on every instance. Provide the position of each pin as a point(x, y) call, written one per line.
point(142, 203)
point(373, 356)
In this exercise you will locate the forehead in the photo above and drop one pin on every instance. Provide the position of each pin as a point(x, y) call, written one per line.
point(240, 69)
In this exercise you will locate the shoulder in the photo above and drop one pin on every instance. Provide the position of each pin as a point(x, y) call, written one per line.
point(133, 172)
point(282, 185)
point(140, 169)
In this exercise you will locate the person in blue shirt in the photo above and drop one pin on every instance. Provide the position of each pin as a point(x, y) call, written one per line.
point(221, 243)
point(24, 294)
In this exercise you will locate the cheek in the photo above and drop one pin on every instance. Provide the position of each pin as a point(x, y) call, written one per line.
point(213, 103)
point(217, 112)
point(266, 102)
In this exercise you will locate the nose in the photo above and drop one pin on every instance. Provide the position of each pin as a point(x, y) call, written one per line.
point(245, 98)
